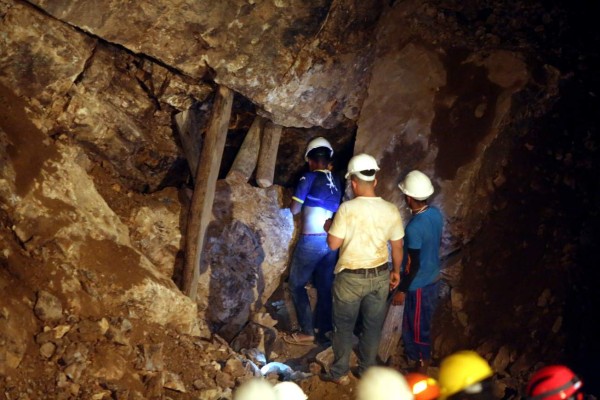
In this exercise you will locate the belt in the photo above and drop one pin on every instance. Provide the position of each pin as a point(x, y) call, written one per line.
point(363, 271)
point(315, 234)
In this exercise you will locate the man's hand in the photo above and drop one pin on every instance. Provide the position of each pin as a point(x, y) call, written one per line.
point(394, 280)
point(398, 298)
point(327, 224)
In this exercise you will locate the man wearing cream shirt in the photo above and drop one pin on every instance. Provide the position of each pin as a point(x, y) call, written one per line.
point(362, 229)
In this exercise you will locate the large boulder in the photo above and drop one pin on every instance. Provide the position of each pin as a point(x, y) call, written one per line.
point(247, 248)
point(444, 113)
point(303, 62)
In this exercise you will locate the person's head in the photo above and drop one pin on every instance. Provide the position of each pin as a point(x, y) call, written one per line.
point(362, 170)
point(289, 391)
point(423, 387)
point(416, 186)
point(554, 382)
point(465, 375)
point(253, 389)
point(318, 153)
point(383, 383)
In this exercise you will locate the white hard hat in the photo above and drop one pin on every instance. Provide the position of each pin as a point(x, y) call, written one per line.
point(289, 391)
point(362, 162)
point(253, 389)
point(416, 185)
point(318, 142)
point(383, 383)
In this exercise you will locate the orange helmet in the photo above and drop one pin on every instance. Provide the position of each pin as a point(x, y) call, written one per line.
point(422, 386)
point(554, 382)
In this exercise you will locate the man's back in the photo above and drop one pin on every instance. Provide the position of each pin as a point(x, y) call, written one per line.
point(424, 233)
point(366, 224)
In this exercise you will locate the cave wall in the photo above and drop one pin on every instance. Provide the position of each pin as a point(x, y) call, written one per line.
point(93, 179)
point(94, 183)
point(278, 53)
point(469, 100)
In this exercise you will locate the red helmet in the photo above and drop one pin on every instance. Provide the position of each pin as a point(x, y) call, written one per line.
point(422, 386)
point(554, 382)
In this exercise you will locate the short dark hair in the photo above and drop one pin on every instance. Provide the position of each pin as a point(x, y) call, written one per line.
point(368, 172)
point(320, 154)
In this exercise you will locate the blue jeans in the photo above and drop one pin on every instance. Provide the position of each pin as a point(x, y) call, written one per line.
point(354, 294)
point(419, 307)
point(312, 261)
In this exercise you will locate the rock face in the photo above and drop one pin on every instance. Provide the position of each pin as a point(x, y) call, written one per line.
point(247, 250)
point(117, 106)
point(277, 53)
point(441, 112)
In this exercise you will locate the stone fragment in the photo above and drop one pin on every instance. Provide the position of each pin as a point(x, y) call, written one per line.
point(116, 335)
point(75, 352)
point(108, 365)
point(152, 355)
point(225, 380)
point(48, 307)
point(198, 384)
point(173, 381)
point(544, 298)
point(90, 331)
point(61, 330)
point(457, 300)
point(73, 371)
point(463, 318)
point(102, 395)
point(325, 358)
point(502, 359)
point(47, 349)
point(234, 367)
point(557, 324)
point(264, 319)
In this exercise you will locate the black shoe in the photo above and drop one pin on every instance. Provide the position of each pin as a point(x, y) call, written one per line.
point(342, 381)
point(324, 339)
point(356, 372)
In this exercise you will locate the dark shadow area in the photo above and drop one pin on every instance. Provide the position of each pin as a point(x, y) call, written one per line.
point(464, 112)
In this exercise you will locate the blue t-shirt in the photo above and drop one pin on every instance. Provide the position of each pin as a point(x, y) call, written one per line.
point(424, 233)
point(319, 188)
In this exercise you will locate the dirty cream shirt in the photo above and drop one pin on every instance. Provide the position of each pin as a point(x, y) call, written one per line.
point(365, 224)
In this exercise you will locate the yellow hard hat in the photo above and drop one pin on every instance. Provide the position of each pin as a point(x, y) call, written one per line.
point(461, 370)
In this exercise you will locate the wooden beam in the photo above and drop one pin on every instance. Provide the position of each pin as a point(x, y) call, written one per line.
point(204, 188)
point(391, 332)
point(190, 134)
point(267, 156)
point(246, 158)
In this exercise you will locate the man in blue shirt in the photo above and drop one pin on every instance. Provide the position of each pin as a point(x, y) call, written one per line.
point(317, 197)
point(419, 281)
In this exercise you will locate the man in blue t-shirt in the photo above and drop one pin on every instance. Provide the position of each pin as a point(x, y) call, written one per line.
point(317, 197)
point(419, 283)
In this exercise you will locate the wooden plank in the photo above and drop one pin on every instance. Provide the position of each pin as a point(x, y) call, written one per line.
point(391, 332)
point(190, 134)
point(204, 188)
point(247, 157)
point(267, 157)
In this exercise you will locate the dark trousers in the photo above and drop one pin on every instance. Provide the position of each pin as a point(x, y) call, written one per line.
point(419, 307)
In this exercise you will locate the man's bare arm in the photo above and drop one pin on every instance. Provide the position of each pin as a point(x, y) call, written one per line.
point(295, 207)
point(334, 242)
